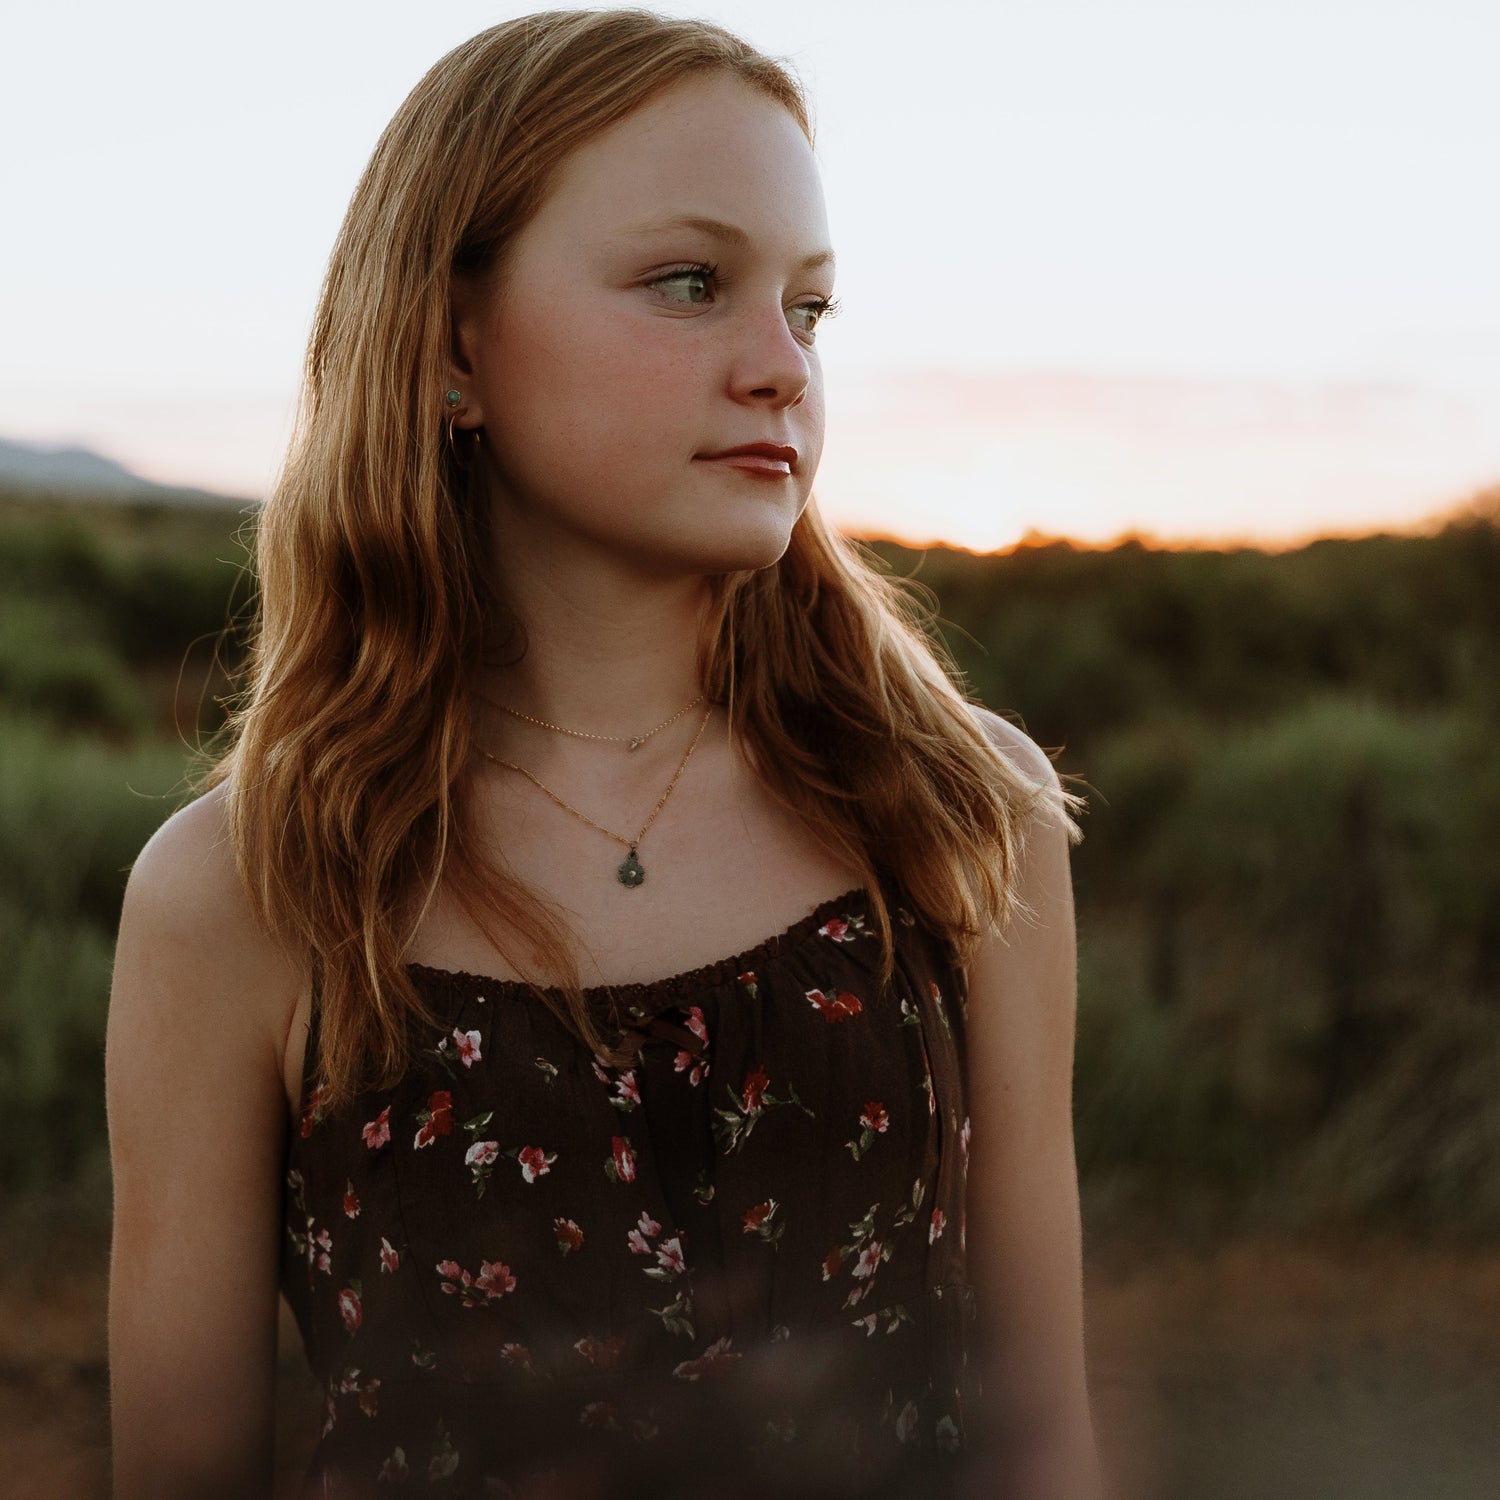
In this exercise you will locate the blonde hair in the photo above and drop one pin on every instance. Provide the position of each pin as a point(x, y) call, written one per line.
point(349, 754)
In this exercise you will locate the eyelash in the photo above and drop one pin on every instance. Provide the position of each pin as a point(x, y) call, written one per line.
point(824, 307)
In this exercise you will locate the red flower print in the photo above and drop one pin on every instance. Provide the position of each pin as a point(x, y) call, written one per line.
point(394, 1470)
point(869, 1259)
point(350, 1310)
point(535, 1162)
point(378, 1132)
point(837, 929)
point(714, 1360)
point(748, 978)
point(467, 1043)
point(696, 1024)
point(390, 1261)
point(351, 1201)
point(832, 1261)
point(436, 1119)
point(875, 1117)
point(753, 1218)
point(481, 1153)
point(836, 1007)
point(569, 1235)
point(621, 1166)
point(314, 1110)
point(756, 1084)
point(369, 1397)
point(935, 1229)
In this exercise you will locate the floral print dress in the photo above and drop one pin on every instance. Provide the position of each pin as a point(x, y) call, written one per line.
point(733, 1267)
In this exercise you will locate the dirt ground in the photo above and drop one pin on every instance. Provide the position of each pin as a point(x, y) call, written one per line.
point(1257, 1370)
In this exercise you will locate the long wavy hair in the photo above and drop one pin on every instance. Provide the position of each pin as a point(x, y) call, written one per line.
point(349, 751)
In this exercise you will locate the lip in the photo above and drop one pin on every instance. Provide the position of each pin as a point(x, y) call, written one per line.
point(758, 458)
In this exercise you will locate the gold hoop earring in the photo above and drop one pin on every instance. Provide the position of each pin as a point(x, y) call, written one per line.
point(463, 460)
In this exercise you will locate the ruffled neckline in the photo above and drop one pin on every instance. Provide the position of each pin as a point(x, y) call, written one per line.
point(656, 992)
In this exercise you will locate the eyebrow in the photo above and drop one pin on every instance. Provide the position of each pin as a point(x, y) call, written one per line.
point(730, 234)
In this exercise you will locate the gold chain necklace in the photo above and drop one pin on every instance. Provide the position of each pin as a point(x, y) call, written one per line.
point(632, 872)
point(635, 740)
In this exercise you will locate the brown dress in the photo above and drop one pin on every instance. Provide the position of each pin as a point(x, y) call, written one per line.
point(735, 1267)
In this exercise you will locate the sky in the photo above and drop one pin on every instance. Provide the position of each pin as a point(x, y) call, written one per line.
point(1201, 270)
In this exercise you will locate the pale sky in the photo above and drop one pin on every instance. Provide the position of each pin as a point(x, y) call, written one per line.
point(1198, 268)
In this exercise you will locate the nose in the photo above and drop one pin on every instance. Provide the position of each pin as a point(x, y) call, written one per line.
point(772, 365)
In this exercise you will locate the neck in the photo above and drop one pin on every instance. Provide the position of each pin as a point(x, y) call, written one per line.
point(607, 652)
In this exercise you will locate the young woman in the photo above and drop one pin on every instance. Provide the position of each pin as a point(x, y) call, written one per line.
point(560, 685)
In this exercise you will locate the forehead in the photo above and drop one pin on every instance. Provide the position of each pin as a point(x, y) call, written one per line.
point(711, 147)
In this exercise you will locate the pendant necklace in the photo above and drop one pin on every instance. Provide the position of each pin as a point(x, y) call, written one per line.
point(631, 873)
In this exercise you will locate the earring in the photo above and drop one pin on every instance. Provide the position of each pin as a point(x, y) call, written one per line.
point(454, 398)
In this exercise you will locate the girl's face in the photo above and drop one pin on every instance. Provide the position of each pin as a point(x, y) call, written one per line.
point(661, 306)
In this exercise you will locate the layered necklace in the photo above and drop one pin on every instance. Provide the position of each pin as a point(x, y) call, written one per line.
point(631, 872)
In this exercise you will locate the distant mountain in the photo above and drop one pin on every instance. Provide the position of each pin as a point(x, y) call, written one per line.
point(43, 470)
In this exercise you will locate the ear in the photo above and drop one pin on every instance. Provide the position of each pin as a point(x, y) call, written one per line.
point(467, 304)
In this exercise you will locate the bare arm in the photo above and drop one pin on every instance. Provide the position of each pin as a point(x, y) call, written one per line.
point(198, 1017)
point(1024, 1233)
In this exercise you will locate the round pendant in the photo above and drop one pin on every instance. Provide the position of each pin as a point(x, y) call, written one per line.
point(631, 872)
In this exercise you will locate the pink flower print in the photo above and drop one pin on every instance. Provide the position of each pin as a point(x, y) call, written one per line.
point(875, 1117)
point(935, 1228)
point(906, 1423)
point(441, 1464)
point(435, 1120)
point(621, 1166)
point(569, 1235)
point(492, 1283)
point(535, 1162)
point(696, 1023)
point(495, 1280)
point(394, 1470)
point(637, 1242)
point(835, 1007)
point(600, 1414)
point(867, 1323)
point(518, 1355)
point(669, 1256)
point(832, 1262)
point(482, 1154)
point(350, 1310)
point(963, 1136)
point(756, 1083)
point(369, 1397)
point(351, 1201)
point(467, 1043)
point(696, 1066)
point(647, 1225)
point(869, 1259)
point(314, 1111)
point(599, 1072)
point(714, 1360)
point(378, 1132)
point(627, 1092)
point(603, 1354)
point(837, 929)
point(753, 1218)
point(390, 1261)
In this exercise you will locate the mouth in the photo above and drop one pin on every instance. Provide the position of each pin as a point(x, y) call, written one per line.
point(773, 459)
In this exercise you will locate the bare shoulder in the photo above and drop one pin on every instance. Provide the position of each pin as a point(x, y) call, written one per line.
point(190, 949)
point(1023, 752)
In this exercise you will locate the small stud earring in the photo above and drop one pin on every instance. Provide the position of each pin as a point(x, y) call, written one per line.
point(454, 398)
